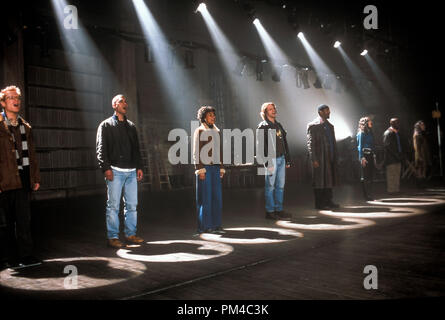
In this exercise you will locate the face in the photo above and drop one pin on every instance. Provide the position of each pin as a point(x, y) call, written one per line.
point(396, 124)
point(325, 113)
point(422, 126)
point(370, 124)
point(210, 118)
point(121, 106)
point(271, 111)
point(12, 102)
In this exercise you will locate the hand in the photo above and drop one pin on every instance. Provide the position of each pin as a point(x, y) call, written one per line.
point(36, 186)
point(140, 174)
point(109, 175)
point(315, 164)
point(270, 170)
point(287, 166)
point(364, 162)
point(202, 176)
point(221, 175)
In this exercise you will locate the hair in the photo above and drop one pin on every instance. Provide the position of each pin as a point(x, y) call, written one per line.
point(417, 129)
point(393, 121)
point(264, 107)
point(115, 99)
point(202, 112)
point(363, 125)
point(9, 88)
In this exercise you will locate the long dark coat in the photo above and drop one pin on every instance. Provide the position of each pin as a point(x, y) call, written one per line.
point(326, 175)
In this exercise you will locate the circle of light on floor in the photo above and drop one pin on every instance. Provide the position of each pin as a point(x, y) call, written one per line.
point(358, 223)
point(220, 249)
point(92, 272)
point(407, 201)
point(222, 238)
point(398, 212)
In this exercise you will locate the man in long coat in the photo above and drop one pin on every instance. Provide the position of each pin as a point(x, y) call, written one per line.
point(322, 150)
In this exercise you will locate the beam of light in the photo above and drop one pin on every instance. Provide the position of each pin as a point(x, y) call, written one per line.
point(372, 212)
point(281, 232)
point(50, 276)
point(226, 52)
point(178, 88)
point(384, 82)
point(273, 51)
point(220, 248)
point(407, 202)
point(357, 76)
point(337, 44)
point(341, 115)
point(364, 52)
point(86, 63)
point(357, 224)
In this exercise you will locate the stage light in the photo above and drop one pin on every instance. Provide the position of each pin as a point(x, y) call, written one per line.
point(300, 35)
point(201, 7)
point(364, 52)
point(337, 44)
point(256, 21)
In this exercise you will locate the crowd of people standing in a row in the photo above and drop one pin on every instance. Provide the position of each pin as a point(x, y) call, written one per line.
point(119, 157)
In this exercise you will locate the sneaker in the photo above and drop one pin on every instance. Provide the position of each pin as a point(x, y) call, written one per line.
point(26, 262)
point(134, 239)
point(115, 243)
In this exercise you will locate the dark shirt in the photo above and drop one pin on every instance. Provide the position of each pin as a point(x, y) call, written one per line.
point(280, 140)
point(328, 134)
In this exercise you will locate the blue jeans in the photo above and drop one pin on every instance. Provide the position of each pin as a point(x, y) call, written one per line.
point(274, 186)
point(126, 181)
point(209, 199)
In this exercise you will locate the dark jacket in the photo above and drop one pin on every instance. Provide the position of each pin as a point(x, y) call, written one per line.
point(107, 149)
point(326, 175)
point(391, 150)
point(267, 126)
point(9, 171)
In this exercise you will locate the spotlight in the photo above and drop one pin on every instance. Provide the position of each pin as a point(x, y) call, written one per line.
point(337, 44)
point(300, 35)
point(256, 21)
point(364, 52)
point(202, 6)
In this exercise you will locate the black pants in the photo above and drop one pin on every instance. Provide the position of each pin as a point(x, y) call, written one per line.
point(367, 176)
point(323, 197)
point(15, 224)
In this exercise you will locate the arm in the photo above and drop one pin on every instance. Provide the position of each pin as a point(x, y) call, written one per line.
point(199, 167)
point(310, 145)
point(102, 153)
point(286, 147)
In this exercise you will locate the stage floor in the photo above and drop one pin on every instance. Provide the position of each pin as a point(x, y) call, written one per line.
point(316, 255)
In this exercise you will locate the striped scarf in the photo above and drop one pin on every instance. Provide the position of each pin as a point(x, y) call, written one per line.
point(24, 160)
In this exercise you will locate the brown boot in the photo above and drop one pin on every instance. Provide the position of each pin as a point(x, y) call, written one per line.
point(134, 239)
point(115, 243)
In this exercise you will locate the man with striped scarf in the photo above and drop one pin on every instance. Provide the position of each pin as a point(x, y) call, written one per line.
point(19, 174)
